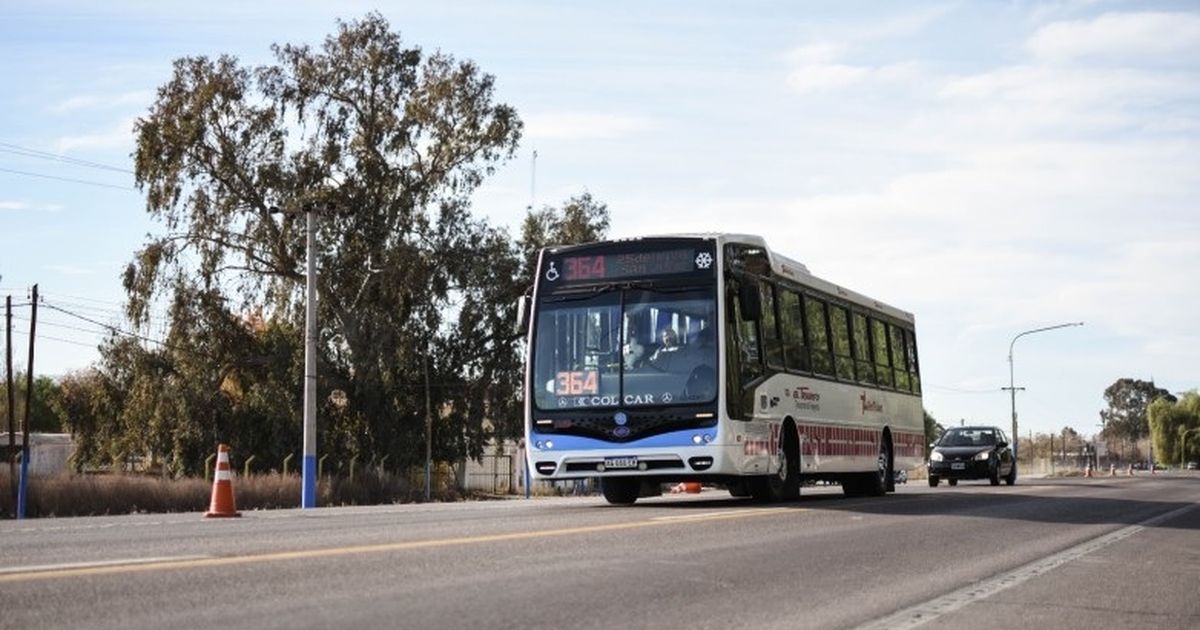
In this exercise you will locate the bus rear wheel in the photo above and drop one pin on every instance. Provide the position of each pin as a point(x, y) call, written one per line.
point(621, 490)
point(872, 484)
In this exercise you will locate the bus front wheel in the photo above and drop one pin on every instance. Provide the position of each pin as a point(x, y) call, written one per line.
point(784, 484)
point(621, 490)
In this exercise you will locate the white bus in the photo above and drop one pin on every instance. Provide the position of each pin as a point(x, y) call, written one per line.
point(710, 358)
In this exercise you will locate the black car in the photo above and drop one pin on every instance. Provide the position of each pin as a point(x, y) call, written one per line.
point(972, 453)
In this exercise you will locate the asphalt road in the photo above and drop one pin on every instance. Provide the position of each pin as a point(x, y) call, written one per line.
point(1080, 553)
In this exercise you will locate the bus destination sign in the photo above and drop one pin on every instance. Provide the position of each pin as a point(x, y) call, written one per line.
point(632, 265)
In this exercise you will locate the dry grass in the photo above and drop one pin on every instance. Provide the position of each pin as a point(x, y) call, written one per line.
point(90, 495)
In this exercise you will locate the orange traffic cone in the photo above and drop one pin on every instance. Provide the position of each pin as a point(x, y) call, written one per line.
point(222, 505)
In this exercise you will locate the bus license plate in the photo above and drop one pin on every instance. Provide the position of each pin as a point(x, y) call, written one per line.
point(618, 463)
point(958, 466)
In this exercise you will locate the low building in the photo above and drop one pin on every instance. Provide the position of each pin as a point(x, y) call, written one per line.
point(50, 452)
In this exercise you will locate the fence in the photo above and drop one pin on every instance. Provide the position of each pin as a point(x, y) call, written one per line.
point(494, 473)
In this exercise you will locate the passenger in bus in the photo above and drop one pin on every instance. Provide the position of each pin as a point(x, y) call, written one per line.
point(633, 351)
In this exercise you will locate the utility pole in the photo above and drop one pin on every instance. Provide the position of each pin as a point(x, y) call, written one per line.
point(308, 463)
point(428, 433)
point(308, 498)
point(23, 487)
point(12, 400)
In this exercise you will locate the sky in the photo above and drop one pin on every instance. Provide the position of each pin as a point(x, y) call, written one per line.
point(991, 167)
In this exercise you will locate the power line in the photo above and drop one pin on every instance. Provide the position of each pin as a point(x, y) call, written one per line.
point(59, 325)
point(110, 328)
point(19, 331)
point(15, 149)
point(74, 343)
point(66, 179)
point(85, 299)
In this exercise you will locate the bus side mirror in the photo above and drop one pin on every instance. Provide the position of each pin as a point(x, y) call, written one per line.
point(749, 301)
point(522, 323)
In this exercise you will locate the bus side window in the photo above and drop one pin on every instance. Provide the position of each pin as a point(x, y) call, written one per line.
point(883, 370)
point(913, 371)
point(772, 349)
point(862, 350)
point(899, 362)
point(746, 343)
point(818, 336)
point(791, 324)
point(840, 328)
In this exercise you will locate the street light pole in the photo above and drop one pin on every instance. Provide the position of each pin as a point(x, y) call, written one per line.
point(1012, 389)
point(308, 497)
point(308, 463)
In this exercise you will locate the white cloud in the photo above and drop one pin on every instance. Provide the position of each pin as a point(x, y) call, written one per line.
point(583, 125)
point(139, 98)
point(911, 23)
point(17, 206)
point(1123, 37)
point(119, 136)
point(816, 53)
point(825, 76)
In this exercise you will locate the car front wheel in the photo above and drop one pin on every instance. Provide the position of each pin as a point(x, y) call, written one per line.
point(933, 481)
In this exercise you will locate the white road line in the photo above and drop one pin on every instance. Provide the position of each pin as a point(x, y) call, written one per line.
point(100, 563)
point(926, 612)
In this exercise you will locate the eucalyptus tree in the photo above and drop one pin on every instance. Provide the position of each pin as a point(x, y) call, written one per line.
point(386, 143)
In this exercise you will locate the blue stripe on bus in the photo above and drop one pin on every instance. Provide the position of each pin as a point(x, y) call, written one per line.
point(577, 443)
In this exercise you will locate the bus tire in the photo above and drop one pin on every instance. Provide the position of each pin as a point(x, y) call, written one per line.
point(738, 488)
point(873, 484)
point(784, 485)
point(621, 490)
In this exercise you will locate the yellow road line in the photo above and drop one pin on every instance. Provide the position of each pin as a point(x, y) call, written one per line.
point(136, 566)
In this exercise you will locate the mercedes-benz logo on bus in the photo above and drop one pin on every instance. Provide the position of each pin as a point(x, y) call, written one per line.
point(620, 418)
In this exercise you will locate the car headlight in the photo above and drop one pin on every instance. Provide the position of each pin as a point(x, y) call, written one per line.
point(982, 456)
point(935, 456)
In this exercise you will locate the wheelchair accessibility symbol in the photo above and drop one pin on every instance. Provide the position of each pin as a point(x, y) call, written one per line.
point(552, 273)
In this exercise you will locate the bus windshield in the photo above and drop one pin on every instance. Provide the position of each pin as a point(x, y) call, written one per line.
point(626, 348)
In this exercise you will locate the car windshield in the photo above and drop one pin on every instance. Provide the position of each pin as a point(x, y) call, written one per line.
point(968, 437)
point(631, 347)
